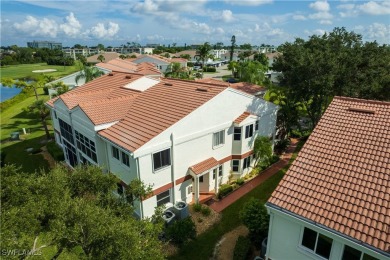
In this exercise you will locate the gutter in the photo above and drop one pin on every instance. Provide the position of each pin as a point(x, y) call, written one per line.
point(311, 222)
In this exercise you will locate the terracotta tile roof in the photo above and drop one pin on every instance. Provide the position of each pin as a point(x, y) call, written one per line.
point(157, 109)
point(107, 57)
point(341, 177)
point(242, 117)
point(105, 87)
point(247, 87)
point(204, 166)
point(107, 110)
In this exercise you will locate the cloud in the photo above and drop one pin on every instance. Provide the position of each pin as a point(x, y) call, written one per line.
point(72, 26)
point(148, 6)
point(315, 32)
point(227, 16)
point(320, 6)
point(378, 31)
point(299, 17)
point(248, 2)
point(100, 30)
point(35, 27)
point(376, 8)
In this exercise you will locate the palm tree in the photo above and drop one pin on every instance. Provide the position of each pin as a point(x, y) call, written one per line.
point(101, 58)
point(39, 108)
point(202, 54)
point(89, 73)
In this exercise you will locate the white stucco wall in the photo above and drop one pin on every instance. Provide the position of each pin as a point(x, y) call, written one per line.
point(285, 235)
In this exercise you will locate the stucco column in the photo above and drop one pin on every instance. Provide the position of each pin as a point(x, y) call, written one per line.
point(196, 189)
point(216, 180)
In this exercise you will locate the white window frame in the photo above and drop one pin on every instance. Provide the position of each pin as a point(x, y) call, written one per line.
point(164, 166)
point(168, 196)
point(248, 133)
point(123, 156)
point(218, 138)
point(310, 251)
point(112, 152)
point(238, 166)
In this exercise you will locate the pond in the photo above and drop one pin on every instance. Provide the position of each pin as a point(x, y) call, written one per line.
point(7, 93)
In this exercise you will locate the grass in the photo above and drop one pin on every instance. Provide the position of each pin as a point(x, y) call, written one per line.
point(204, 244)
point(14, 119)
point(24, 71)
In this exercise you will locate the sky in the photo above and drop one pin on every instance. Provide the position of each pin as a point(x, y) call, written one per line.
point(257, 22)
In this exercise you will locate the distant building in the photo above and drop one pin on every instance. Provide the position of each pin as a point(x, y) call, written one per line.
point(153, 45)
point(45, 44)
point(73, 52)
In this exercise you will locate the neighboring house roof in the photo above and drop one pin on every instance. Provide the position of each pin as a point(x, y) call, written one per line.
point(272, 55)
point(155, 57)
point(158, 108)
point(204, 166)
point(192, 53)
point(341, 177)
point(107, 57)
point(119, 65)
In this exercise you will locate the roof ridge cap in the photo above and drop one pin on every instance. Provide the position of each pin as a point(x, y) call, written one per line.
point(360, 100)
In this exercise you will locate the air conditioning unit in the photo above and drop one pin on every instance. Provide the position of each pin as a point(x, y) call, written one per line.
point(181, 209)
point(169, 217)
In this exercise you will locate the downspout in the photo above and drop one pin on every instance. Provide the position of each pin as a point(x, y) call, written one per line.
point(107, 158)
point(139, 178)
point(173, 168)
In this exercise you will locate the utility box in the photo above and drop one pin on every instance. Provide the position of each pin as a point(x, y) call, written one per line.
point(181, 209)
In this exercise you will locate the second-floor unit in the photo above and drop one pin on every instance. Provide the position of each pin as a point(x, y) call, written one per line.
point(184, 138)
point(45, 44)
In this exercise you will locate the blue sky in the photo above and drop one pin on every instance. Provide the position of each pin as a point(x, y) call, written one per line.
point(114, 23)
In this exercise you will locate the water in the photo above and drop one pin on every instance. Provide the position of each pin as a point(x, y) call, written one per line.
point(7, 93)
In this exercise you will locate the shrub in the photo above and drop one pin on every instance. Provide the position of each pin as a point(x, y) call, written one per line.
point(181, 231)
point(241, 249)
point(255, 217)
point(197, 207)
point(190, 64)
point(224, 190)
point(209, 69)
point(274, 159)
point(46, 90)
point(240, 181)
point(206, 211)
point(55, 151)
point(281, 145)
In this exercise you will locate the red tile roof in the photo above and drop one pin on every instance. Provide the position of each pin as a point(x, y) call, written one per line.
point(204, 166)
point(107, 57)
point(246, 87)
point(341, 177)
point(242, 117)
point(158, 108)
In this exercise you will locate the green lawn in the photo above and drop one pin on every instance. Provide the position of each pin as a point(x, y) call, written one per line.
point(203, 246)
point(24, 71)
point(14, 119)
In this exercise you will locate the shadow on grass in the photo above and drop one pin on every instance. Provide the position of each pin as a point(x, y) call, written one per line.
point(16, 153)
point(26, 115)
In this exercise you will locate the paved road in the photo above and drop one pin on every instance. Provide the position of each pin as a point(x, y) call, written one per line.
point(221, 71)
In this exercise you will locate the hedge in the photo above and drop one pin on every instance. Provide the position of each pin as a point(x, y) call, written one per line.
point(55, 151)
point(209, 69)
point(241, 250)
point(224, 190)
point(181, 231)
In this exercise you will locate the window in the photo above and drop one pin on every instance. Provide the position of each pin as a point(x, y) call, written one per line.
point(163, 198)
point(66, 131)
point(125, 159)
point(189, 190)
point(220, 173)
point(161, 159)
point(115, 152)
point(55, 114)
point(247, 162)
point(354, 254)
point(257, 125)
point(248, 131)
point(86, 146)
point(214, 173)
point(201, 178)
point(235, 165)
point(316, 242)
point(237, 134)
point(219, 138)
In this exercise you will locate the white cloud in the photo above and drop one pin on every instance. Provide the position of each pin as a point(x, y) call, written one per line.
point(148, 6)
point(100, 31)
point(299, 17)
point(227, 16)
point(248, 2)
point(379, 31)
point(320, 6)
point(34, 27)
point(376, 8)
point(315, 32)
point(72, 26)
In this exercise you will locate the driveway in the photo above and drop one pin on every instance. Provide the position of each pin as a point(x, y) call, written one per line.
point(221, 71)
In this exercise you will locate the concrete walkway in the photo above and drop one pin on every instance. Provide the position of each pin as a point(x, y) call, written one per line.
point(221, 71)
point(220, 205)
